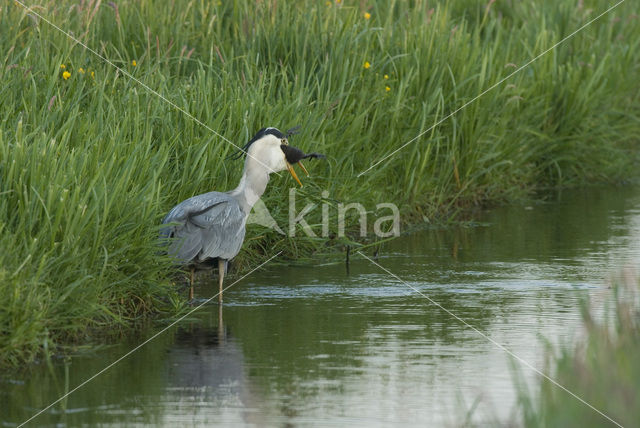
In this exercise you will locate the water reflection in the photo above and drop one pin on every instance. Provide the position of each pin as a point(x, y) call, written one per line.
point(202, 357)
point(303, 345)
point(206, 367)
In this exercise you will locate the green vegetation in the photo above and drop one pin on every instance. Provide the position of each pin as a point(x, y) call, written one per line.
point(90, 161)
point(602, 370)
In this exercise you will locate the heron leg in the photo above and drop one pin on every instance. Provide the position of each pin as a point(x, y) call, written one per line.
point(220, 325)
point(193, 270)
point(222, 267)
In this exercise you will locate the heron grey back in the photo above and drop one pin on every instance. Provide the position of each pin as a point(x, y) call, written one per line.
point(205, 226)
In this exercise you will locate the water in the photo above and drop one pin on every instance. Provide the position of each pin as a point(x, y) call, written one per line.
point(315, 345)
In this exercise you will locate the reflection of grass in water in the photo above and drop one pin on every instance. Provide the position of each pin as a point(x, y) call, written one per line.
point(603, 369)
point(90, 161)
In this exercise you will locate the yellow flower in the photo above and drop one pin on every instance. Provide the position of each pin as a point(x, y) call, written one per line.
point(81, 70)
point(366, 64)
point(386, 76)
point(62, 66)
point(66, 75)
point(134, 63)
point(386, 88)
point(367, 15)
point(93, 74)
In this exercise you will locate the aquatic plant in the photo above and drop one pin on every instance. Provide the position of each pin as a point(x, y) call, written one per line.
point(603, 369)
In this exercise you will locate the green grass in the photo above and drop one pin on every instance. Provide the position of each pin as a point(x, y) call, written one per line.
point(89, 165)
point(602, 369)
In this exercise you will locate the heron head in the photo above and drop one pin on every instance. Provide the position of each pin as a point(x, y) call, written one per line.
point(270, 148)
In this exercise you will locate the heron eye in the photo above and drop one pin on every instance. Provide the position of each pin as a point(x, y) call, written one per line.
point(284, 141)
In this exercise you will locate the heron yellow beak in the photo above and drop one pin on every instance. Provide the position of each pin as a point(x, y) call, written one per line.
point(293, 173)
point(303, 168)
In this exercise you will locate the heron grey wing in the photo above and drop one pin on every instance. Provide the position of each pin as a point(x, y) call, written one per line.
point(194, 205)
point(222, 230)
point(185, 234)
point(186, 242)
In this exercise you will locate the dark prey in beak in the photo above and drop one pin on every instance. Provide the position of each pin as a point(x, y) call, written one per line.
point(295, 155)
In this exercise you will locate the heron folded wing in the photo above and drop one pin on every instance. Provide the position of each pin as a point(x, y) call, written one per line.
point(214, 214)
point(205, 226)
point(194, 206)
point(223, 233)
point(186, 243)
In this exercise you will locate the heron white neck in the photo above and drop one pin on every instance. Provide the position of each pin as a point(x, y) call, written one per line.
point(252, 184)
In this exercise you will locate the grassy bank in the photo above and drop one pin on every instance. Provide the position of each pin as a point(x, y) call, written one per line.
point(603, 370)
point(90, 161)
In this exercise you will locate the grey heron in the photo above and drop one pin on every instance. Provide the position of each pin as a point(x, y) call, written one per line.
point(210, 227)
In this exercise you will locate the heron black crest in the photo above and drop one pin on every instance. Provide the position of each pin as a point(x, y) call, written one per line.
point(261, 133)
